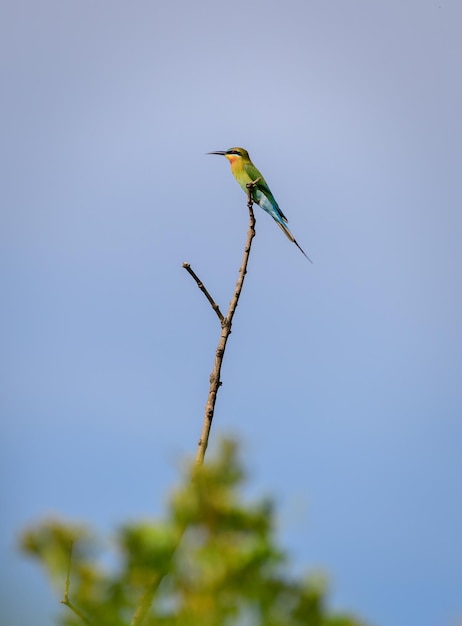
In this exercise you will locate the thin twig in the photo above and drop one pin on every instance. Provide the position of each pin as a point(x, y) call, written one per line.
point(65, 599)
point(146, 601)
point(68, 575)
point(151, 589)
point(226, 324)
point(77, 612)
point(201, 286)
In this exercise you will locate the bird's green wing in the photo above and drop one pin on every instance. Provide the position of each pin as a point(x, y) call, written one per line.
point(253, 174)
point(262, 185)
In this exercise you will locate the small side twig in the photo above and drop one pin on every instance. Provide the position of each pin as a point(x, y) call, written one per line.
point(226, 324)
point(201, 286)
point(65, 599)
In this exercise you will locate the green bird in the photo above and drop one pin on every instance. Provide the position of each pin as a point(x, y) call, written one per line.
point(245, 172)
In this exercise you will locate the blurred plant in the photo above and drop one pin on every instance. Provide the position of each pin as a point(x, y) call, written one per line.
point(213, 561)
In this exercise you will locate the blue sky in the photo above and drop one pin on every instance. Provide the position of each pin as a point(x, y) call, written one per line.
point(342, 379)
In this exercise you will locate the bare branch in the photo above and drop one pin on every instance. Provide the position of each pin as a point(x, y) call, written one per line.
point(226, 324)
point(201, 286)
point(215, 383)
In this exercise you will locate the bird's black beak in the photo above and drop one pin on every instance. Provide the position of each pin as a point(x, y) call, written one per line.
point(219, 152)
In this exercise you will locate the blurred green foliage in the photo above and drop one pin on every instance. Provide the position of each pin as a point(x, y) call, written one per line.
point(213, 561)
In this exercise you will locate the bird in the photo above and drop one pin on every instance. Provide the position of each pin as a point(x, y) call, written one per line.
point(245, 172)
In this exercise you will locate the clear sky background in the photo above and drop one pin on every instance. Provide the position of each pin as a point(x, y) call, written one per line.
point(342, 379)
